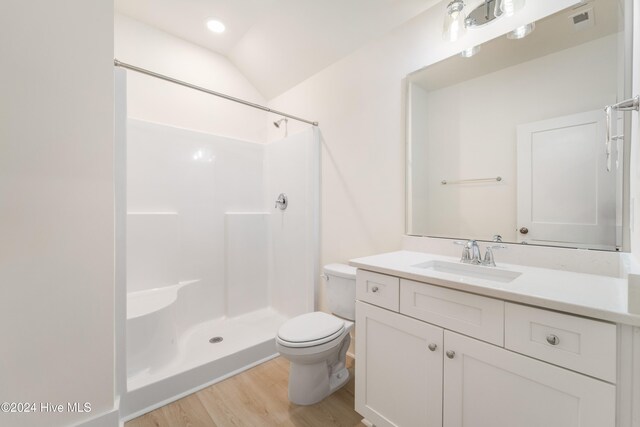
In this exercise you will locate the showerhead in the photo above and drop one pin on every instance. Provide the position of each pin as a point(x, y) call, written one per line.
point(277, 123)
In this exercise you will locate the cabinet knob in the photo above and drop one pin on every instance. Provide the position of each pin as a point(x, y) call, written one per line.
point(451, 354)
point(433, 347)
point(524, 230)
point(374, 289)
point(553, 339)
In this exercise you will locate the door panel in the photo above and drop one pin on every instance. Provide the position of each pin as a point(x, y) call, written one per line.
point(565, 194)
point(398, 378)
point(486, 385)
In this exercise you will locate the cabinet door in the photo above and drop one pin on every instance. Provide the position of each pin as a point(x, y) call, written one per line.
point(398, 377)
point(486, 385)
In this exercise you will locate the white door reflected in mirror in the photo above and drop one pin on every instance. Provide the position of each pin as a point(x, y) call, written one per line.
point(565, 193)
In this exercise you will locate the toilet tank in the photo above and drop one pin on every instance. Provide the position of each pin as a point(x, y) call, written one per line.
point(341, 290)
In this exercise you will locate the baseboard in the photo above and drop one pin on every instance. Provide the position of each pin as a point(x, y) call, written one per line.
point(192, 390)
point(107, 419)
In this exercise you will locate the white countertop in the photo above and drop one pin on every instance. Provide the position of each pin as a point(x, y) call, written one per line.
point(589, 295)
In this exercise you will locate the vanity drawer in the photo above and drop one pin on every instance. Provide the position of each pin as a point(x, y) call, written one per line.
point(378, 289)
point(473, 315)
point(583, 345)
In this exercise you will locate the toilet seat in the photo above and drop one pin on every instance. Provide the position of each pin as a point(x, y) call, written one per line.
point(314, 343)
point(311, 329)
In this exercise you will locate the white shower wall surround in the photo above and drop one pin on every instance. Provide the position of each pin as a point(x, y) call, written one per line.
point(209, 255)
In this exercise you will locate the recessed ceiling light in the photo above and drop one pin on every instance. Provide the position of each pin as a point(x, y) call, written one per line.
point(215, 26)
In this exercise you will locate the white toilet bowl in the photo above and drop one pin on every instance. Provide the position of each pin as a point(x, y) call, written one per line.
point(316, 344)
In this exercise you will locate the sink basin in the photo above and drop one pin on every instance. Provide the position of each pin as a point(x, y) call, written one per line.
point(468, 270)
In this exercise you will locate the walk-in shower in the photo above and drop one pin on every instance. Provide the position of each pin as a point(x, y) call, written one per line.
point(213, 268)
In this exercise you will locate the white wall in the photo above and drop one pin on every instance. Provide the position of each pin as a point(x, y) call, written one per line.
point(472, 133)
point(292, 167)
point(359, 102)
point(634, 170)
point(158, 101)
point(56, 215)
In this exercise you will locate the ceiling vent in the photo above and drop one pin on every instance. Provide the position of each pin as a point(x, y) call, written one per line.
point(582, 20)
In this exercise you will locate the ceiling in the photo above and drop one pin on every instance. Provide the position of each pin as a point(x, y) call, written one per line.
point(277, 44)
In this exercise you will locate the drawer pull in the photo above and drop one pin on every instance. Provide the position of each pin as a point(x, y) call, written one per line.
point(553, 339)
point(433, 347)
point(374, 289)
point(451, 354)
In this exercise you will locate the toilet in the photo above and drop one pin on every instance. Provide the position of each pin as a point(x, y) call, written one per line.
point(316, 343)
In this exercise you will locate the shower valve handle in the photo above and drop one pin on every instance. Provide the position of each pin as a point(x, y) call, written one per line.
point(282, 201)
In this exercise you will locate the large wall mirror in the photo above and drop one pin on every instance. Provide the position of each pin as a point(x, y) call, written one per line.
point(510, 143)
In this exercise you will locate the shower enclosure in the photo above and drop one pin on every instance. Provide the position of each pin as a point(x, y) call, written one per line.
point(213, 265)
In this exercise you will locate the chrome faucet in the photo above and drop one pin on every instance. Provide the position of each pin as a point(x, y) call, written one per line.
point(471, 253)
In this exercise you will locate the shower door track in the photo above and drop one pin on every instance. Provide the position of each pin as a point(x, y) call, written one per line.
point(210, 92)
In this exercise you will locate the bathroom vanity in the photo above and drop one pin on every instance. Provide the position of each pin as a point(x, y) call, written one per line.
point(515, 150)
point(441, 343)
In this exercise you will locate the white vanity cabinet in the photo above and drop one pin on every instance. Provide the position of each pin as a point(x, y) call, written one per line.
point(485, 385)
point(441, 359)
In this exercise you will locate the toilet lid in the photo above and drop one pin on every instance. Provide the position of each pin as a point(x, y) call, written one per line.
point(311, 328)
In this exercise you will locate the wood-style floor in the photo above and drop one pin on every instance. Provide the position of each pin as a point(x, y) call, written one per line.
point(257, 397)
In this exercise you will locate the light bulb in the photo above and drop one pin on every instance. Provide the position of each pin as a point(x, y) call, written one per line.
point(509, 7)
point(521, 32)
point(454, 25)
point(469, 52)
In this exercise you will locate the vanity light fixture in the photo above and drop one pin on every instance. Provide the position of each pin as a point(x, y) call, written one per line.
point(454, 21)
point(521, 32)
point(469, 52)
point(215, 26)
point(483, 14)
point(457, 20)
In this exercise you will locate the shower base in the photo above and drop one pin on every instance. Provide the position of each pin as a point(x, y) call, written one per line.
point(247, 340)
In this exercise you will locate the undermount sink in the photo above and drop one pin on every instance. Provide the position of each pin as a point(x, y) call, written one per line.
point(468, 270)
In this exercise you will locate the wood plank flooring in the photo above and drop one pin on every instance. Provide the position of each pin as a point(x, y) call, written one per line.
point(257, 397)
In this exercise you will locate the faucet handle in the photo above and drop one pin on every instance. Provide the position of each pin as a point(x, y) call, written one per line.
point(465, 257)
point(468, 243)
point(488, 256)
